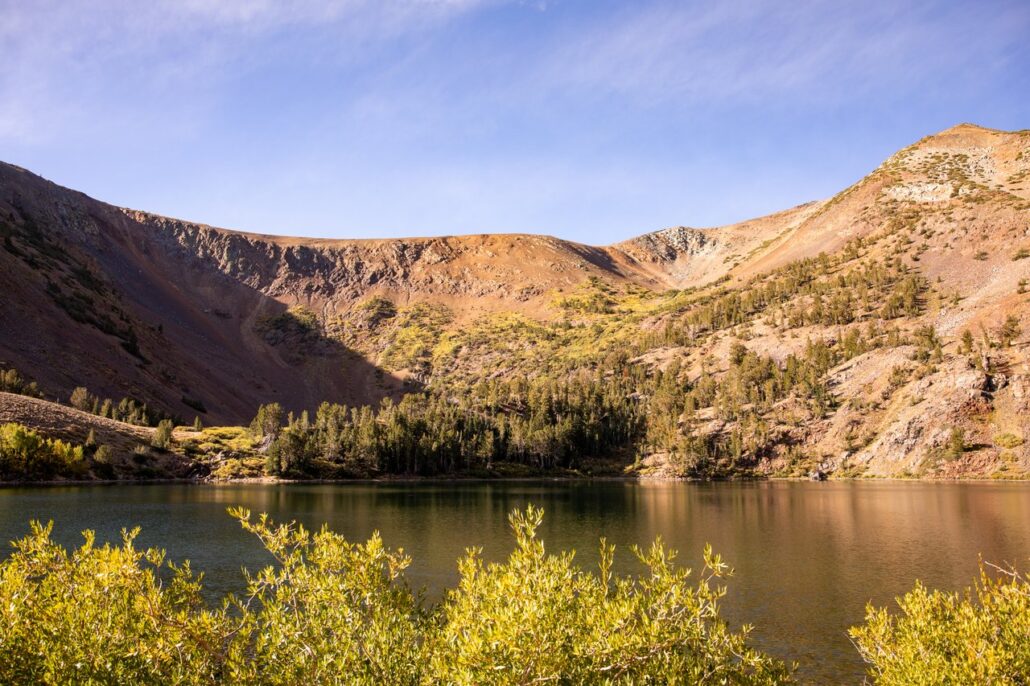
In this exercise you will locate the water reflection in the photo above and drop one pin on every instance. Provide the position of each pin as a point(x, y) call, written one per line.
point(808, 556)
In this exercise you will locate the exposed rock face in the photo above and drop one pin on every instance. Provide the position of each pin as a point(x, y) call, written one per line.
point(916, 431)
point(922, 192)
point(670, 244)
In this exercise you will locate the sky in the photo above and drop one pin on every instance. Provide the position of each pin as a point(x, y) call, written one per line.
point(592, 120)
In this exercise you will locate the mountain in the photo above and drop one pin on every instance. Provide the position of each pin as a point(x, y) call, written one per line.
point(134, 304)
point(201, 320)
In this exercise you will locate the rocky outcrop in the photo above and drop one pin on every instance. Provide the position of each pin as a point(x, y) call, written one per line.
point(671, 244)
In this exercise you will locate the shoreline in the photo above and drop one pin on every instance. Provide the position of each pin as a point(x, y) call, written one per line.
point(407, 479)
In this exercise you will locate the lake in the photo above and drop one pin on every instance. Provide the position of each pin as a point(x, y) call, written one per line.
point(808, 556)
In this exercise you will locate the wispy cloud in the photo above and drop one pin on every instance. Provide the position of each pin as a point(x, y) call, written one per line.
point(84, 66)
point(491, 114)
point(375, 15)
point(754, 49)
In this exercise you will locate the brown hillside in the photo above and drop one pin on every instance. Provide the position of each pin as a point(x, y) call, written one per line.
point(133, 304)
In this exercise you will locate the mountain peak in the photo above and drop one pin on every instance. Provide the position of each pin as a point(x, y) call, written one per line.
point(963, 134)
point(966, 127)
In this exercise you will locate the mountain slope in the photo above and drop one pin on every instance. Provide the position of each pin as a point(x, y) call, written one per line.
point(887, 276)
point(130, 303)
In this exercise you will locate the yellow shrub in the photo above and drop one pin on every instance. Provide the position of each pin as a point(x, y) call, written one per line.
point(333, 612)
point(25, 454)
point(1008, 440)
point(979, 637)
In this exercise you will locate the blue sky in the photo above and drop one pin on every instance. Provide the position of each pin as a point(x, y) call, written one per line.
point(592, 120)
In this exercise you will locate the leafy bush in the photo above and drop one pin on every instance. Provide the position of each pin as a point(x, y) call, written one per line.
point(99, 615)
point(162, 439)
point(1008, 440)
point(328, 609)
point(297, 328)
point(377, 309)
point(331, 611)
point(25, 454)
point(416, 333)
point(981, 636)
point(538, 618)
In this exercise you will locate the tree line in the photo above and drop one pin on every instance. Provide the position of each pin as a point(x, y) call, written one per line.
point(540, 423)
point(543, 423)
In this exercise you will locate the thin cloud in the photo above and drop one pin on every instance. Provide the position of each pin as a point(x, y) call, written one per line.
point(77, 66)
point(490, 114)
point(391, 15)
point(753, 50)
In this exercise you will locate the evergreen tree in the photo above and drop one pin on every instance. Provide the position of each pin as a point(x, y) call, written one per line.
point(162, 439)
point(1010, 330)
point(82, 399)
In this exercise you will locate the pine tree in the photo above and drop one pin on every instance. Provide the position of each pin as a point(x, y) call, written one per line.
point(1010, 330)
point(82, 399)
point(956, 443)
point(967, 341)
point(268, 422)
point(162, 439)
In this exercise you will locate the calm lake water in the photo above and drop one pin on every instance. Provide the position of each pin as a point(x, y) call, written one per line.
point(808, 556)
